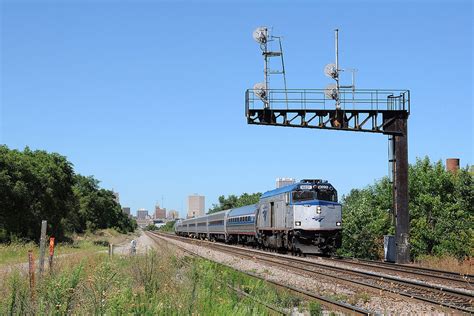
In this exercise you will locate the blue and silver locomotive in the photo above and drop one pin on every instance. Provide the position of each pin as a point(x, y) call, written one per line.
point(304, 217)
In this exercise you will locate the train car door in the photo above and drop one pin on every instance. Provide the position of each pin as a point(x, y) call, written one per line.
point(272, 214)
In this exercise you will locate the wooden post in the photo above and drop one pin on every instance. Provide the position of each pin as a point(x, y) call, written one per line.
point(51, 253)
point(42, 247)
point(31, 271)
point(111, 250)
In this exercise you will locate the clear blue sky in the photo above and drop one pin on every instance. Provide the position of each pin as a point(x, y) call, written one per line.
point(148, 96)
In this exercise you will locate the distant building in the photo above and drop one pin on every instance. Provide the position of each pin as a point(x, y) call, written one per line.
point(281, 182)
point(160, 213)
point(196, 204)
point(142, 213)
point(142, 223)
point(126, 210)
point(172, 215)
point(117, 196)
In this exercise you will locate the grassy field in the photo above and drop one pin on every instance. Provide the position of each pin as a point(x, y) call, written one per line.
point(17, 252)
point(151, 284)
point(446, 263)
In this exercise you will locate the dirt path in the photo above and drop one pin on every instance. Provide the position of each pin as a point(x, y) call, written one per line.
point(144, 243)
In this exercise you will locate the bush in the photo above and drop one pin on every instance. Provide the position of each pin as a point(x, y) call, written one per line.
point(441, 206)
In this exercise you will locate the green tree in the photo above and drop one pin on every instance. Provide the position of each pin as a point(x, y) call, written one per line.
point(366, 218)
point(34, 186)
point(37, 185)
point(441, 213)
point(233, 201)
point(441, 210)
point(97, 208)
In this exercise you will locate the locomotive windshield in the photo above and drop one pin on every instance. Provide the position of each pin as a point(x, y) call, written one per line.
point(303, 196)
point(327, 195)
point(323, 193)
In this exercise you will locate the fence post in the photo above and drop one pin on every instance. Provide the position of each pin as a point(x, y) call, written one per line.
point(42, 247)
point(51, 253)
point(111, 250)
point(31, 271)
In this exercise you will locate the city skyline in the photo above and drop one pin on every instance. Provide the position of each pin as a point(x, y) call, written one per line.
point(153, 113)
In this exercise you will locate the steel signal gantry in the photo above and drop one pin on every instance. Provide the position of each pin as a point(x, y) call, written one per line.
point(344, 108)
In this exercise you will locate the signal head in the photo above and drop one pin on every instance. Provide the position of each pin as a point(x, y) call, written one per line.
point(331, 71)
point(260, 35)
point(331, 91)
point(260, 90)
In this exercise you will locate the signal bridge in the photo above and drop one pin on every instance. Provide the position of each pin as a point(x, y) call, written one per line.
point(361, 110)
point(339, 107)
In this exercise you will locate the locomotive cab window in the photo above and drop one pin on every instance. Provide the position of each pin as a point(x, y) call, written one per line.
point(327, 195)
point(299, 196)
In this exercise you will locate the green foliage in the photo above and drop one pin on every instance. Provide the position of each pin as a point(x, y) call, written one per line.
point(366, 219)
point(151, 227)
point(98, 208)
point(315, 309)
point(233, 201)
point(168, 227)
point(441, 210)
point(441, 214)
point(36, 185)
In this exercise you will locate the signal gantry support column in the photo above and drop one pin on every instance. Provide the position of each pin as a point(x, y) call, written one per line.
point(400, 192)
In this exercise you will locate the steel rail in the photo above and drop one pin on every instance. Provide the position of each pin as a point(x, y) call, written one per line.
point(432, 273)
point(437, 295)
point(326, 302)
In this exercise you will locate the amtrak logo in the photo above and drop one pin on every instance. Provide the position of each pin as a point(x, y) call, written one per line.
point(318, 219)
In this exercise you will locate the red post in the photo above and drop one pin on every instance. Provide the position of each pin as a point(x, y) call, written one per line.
point(51, 253)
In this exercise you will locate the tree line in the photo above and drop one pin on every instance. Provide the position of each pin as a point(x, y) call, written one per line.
point(37, 185)
point(441, 207)
point(233, 201)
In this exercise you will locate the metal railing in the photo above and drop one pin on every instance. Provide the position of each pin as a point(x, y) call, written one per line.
point(315, 99)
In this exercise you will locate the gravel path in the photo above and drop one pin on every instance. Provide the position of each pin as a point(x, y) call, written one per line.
point(144, 243)
point(373, 300)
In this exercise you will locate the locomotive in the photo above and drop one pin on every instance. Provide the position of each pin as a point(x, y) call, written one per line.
point(303, 217)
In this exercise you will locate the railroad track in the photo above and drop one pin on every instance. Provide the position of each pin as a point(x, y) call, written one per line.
point(438, 295)
point(328, 303)
point(457, 280)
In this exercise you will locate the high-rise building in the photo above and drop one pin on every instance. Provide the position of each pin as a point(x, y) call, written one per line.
point(160, 213)
point(126, 210)
point(281, 182)
point(196, 204)
point(172, 214)
point(117, 196)
point(142, 213)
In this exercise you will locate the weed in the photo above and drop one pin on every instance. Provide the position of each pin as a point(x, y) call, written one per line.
point(315, 309)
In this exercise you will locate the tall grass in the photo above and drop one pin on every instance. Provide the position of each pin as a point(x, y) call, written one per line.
point(16, 252)
point(151, 284)
point(446, 263)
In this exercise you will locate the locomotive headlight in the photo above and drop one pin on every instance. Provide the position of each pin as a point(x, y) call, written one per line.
point(318, 210)
point(338, 223)
point(297, 223)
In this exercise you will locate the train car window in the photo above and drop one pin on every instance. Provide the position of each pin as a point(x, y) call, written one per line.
point(303, 196)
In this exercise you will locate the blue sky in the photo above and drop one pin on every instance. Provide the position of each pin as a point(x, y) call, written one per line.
point(148, 96)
